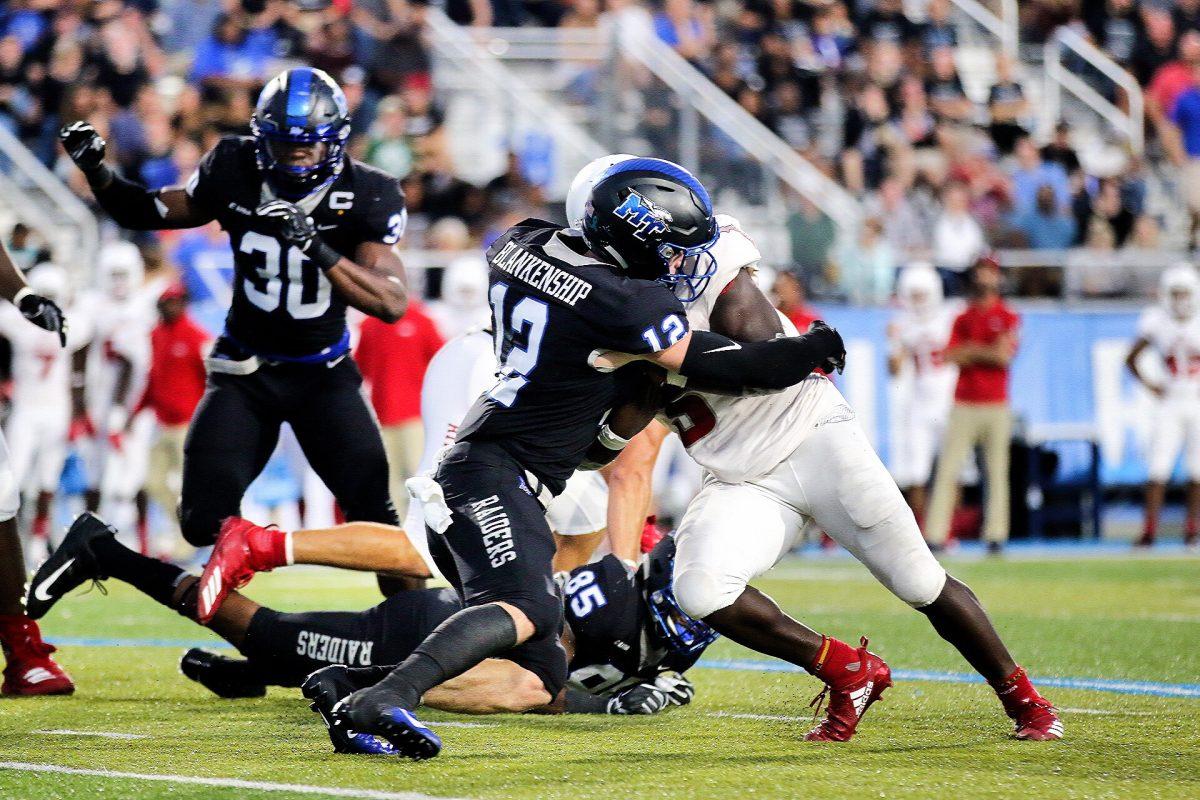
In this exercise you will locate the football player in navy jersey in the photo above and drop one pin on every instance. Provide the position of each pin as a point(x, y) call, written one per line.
point(569, 307)
point(313, 232)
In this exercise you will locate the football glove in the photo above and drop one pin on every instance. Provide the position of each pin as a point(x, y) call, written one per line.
point(44, 313)
point(678, 689)
point(83, 144)
point(645, 698)
point(837, 348)
point(288, 223)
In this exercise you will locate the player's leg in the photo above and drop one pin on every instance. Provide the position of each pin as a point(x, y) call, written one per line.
point(243, 549)
point(851, 495)
point(1165, 443)
point(341, 440)
point(232, 435)
point(1191, 526)
point(956, 447)
point(29, 669)
point(502, 550)
point(577, 518)
point(731, 533)
point(996, 437)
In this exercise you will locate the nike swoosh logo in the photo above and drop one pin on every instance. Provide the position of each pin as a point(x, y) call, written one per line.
point(734, 346)
point(39, 591)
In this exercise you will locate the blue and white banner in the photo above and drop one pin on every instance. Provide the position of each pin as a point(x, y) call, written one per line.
point(1070, 369)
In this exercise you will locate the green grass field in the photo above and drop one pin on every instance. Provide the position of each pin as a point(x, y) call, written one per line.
point(1123, 619)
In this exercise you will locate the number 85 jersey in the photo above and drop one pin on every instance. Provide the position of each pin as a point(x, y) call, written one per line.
point(553, 304)
point(283, 304)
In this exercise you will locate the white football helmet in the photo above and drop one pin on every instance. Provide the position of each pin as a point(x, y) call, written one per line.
point(465, 283)
point(1179, 287)
point(50, 281)
point(919, 288)
point(582, 183)
point(121, 269)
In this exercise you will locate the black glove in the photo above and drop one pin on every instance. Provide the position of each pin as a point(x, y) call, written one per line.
point(678, 689)
point(84, 145)
point(644, 698)
point(45, 314)
point(834, 344)
point(288, 223)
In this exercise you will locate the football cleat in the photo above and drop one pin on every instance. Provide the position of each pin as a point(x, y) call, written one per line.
point(69, 566)
point(231, 566)
point(407, 735)
point(864, 683)
point(30, 670)
point(226, 677)
point(327, 688)
point(1034, 716)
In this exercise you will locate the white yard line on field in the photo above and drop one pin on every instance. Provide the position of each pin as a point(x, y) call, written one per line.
point(1103, 712)
point(760, 717)
point(223, 783)
point(98, 734)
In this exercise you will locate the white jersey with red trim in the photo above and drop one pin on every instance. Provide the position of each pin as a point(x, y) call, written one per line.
point(741, 438)
point(41, 366)
point(1178, 344)
point(922, 339)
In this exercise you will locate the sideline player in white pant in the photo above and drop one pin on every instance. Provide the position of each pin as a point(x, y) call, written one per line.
point(922, 381)
point(38, 426)
point(1171, 328)
point(779, 461)
point(29, 669)
point(117, 451)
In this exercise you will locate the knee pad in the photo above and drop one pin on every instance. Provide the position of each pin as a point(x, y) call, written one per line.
point(701, 591)
point(917, 578)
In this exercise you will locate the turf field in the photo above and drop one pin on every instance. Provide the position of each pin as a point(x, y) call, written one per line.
point(1119, 619)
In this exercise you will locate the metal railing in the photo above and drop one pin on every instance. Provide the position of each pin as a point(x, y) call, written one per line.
point(37, 197)
point(466, 66)
point(1131, 123)
point(1003, 26)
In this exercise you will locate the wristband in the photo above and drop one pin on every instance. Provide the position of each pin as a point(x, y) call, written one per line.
point(100, 177)
point(21, 294)
point(323, 255)
point(610, 439)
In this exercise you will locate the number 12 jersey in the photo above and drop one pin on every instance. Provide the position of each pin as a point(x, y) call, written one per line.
point(553, 304)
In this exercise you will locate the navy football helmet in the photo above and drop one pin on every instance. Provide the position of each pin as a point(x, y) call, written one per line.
point(679, 632)
point(643, 213)
point(301, 106)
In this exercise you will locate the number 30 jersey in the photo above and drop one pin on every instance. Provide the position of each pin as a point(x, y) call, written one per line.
point(741, 438)
point(553, 304)
point(283, 304)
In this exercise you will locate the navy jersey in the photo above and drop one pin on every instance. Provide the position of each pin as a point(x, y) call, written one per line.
point(283, 304)
point(616, 644)
point(553, 304)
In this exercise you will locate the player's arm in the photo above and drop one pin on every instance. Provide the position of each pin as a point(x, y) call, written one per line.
point(1131, 361)
point(999, 353)
point(743, 312)
point(630, 491)
point(39, 310)
point(373, 282)
point(130, 204)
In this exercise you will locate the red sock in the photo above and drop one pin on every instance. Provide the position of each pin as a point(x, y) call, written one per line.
point(41, 526)
point(1191, 528)
point(268, 548)
point(1016, 691)
point(1149, 529)
point(832, 660)
point(143, 535)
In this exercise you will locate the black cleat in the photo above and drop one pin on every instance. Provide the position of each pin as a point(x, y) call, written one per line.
point(69, 566)
point(327, 688)
point(226, 677)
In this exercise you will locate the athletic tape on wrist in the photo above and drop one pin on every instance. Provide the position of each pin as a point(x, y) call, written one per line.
point(610, 439)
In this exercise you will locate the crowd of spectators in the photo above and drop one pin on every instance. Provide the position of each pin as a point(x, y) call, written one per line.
point(870, 91)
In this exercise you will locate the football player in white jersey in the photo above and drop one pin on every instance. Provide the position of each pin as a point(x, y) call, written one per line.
point(29, 669)
point(922, 380)
point(1171, 328)
point(118, 360)
point(40, 420)
point(780, 461)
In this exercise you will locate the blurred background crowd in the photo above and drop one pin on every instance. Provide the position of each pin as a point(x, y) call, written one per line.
point(936, 133)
